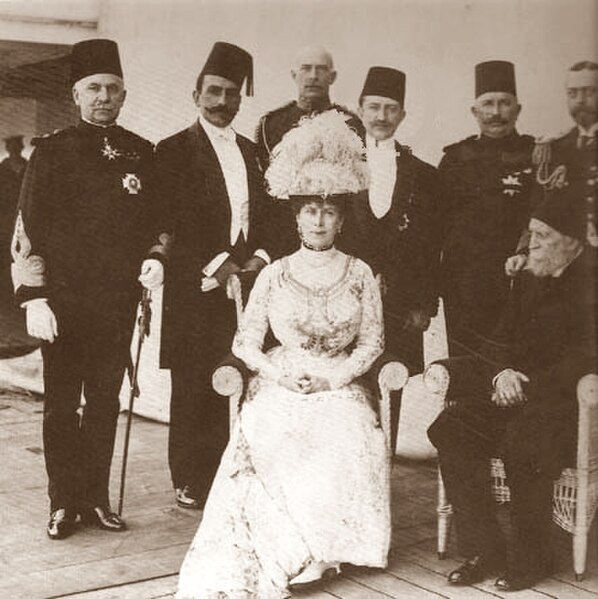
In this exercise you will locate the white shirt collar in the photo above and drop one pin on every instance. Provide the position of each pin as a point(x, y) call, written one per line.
point(217, 133)
point(589, 132)
point(386, 144)
point(99, 125)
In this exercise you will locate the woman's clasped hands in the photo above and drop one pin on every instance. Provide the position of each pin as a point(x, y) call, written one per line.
point(304, 383)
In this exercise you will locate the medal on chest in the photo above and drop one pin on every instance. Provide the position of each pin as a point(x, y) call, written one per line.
point(513, 182)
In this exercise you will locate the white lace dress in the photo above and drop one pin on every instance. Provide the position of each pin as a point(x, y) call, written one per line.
point(304, 477)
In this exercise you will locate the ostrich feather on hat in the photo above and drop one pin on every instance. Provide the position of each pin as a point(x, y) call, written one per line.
point(321, 156)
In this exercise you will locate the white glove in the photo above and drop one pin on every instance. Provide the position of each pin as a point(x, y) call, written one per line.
point(41, 321)
point(152, 274)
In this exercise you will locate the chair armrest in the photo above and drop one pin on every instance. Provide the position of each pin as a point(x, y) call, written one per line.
point(388, 373)
point(587, 432)
point(464, 375)
point(230, 377)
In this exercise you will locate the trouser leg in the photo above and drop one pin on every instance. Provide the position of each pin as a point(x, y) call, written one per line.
point(466, 437)
point(61, 433)
point(531, 505)
point(103, 380)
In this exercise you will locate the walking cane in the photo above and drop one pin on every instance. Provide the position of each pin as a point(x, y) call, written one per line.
point(143, 327)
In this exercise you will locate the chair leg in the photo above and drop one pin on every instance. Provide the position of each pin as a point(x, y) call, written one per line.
point(445, 512)
point(581, 526)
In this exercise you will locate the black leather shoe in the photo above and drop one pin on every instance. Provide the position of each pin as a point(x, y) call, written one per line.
point(61, 524)
point(102, 517)
point(187, 498)
point(472, 571)
point(520, 581)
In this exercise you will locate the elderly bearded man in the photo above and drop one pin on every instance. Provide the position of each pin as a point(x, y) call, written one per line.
point(87, 216)
point(520, 404)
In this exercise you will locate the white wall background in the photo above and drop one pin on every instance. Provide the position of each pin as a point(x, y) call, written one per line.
point(164, 44)
point(436, 42)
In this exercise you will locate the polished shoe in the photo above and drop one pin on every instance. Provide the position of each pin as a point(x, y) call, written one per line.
point(102, 517)
point(522, 580)
point(472, 571)
point(316, 571)
point(61, 524)
point(187, 498)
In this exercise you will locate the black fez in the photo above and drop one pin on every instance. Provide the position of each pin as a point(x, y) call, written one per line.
point(495, 76)
point(231, 62)
point(91, 57)
point(563, 210)
point(387, 82)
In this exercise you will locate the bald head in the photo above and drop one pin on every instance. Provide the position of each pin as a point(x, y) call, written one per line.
point(313, 72)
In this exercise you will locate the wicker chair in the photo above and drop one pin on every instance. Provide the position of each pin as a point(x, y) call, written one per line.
point(231, 376)
point(575, 495)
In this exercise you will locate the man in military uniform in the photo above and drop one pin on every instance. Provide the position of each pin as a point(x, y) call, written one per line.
point(12, 170)
point(85, 223)
point(313, 73)
point(393, 226)
point(211, 178)
point(487, 180)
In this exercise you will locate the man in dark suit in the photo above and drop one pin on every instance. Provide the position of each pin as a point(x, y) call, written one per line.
point(211, 178)
point(87, 216)
point(487, 183)
point(313, 72)
point(520, 404)
point(393, 226)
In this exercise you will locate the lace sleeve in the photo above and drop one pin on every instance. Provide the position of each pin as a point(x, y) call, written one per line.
point(249, 339)
point(370, 337)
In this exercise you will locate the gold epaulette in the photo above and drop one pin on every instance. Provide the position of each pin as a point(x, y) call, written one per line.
point(542, 158)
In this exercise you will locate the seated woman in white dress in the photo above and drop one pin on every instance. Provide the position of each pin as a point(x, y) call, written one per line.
point(304, 482)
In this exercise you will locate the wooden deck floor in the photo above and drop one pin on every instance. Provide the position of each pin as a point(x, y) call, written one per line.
point(142, 562)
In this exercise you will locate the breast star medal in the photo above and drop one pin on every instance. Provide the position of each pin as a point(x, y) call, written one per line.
point(131, 183)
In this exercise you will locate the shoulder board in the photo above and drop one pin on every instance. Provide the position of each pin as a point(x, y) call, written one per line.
point(461, 143)
point(137, 138)
point(344, 109)
point(56, 135)
point(279, 110)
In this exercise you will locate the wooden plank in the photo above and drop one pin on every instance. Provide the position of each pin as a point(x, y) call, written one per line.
point(147, 589)
point(434, 581)
point(375, 586)
point(392, 585)
point(102, 573)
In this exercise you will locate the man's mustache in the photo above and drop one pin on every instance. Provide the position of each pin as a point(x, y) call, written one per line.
point(380, 124)
point(221, 110)
point(496, 120)
point(583, 110)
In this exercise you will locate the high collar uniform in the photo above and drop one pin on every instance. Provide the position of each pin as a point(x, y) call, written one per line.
point(487, 188)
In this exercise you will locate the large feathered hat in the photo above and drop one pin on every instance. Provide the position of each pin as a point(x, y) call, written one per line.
point(320, 157)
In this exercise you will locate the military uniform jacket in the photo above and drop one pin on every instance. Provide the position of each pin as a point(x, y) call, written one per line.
point(549, 334)
point(487, 187)
point(273, 125)
point(561, 162)
point(404, 244)
point(191, 180)
point(86, 217)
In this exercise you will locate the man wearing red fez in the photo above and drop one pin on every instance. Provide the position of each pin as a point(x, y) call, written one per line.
point(211, 178)
point(487, 186)
point(86, 221)
point(519, 403)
